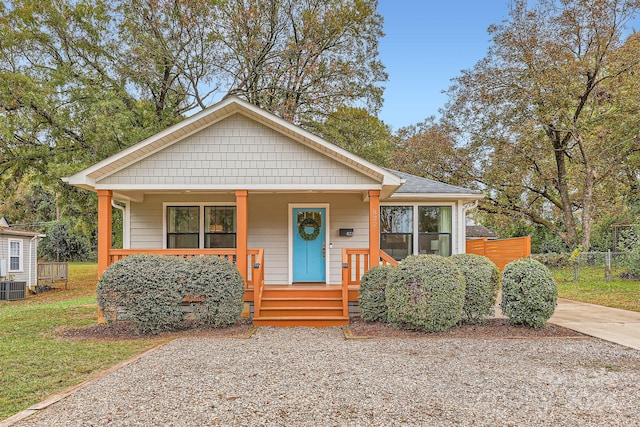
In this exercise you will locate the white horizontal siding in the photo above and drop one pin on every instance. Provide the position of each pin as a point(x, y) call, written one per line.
point(268, 229)
point(29, 259)
point(238, 151)
point(268, 225)
point(146, 218)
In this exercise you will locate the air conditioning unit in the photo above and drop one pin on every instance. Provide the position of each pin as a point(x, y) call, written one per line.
point(3, 268)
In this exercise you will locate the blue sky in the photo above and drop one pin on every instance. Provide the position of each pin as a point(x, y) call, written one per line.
point(427, 43)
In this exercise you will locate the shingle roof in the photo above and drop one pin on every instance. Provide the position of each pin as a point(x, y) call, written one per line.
point(479, 231)
point(19, 232)
point(415, 184)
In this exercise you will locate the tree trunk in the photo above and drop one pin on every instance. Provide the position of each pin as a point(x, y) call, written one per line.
point(571, 239)
point(587, 196)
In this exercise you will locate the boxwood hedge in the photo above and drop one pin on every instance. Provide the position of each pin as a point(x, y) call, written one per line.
point(221, 287)
point(149, 291)
point(425, 292)
point(529, 293)
point(372, 302)
point(482, 281)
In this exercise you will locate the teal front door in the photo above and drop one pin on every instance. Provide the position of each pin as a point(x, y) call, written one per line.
point(309, 226)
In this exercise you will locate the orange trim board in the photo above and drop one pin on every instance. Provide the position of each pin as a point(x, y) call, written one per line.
point(104, 229)
point(242, 232)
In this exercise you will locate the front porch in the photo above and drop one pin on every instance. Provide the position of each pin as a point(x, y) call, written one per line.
point(276, 302)
point(309, 304)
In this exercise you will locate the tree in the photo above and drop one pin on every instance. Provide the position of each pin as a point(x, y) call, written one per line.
point(64, 99)
point(302, 58)
point(550, 115)
point(429, 149)
point(171, 47)
point(83, 79)
point(357, 131)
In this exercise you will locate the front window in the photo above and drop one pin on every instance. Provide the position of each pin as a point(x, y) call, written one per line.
point(220, 227)
point(434, 230)
point(15, 255)
point(201, 226)
point(183, 227)
point(396, 231)
point(412, 230)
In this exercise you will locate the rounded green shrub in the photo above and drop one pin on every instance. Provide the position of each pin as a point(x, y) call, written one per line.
point(482, 281)
point(150, 290)
point(529, 293)
point(146, 289)
point(221, 287)
point(373, 306)
point(425, 292)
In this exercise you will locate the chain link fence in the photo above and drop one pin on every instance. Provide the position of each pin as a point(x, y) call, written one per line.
point(609, 264)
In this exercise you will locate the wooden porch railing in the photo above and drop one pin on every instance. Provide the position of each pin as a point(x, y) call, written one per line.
point(254, 257)
point(118, 254)
point(257, 276)
point(356, 262)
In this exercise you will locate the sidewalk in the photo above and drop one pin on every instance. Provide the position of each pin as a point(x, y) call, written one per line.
point(611, 324)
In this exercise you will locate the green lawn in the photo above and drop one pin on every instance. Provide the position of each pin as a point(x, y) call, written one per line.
point(593, 288)
point(34, 362)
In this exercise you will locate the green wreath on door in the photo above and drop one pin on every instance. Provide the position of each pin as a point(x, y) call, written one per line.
point(302, 229)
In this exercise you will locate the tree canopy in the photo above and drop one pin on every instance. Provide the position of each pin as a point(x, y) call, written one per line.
point(547, 123)
point(83, 79)
point(359, 132)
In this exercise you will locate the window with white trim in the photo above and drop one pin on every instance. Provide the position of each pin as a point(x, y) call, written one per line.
point(183, 227)
point(415, 229)
point(219, 226)
point(200, 226)
point(434, 230)
point(15, 256)
point(396, 231)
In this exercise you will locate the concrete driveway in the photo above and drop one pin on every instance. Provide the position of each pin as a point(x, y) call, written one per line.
point(611, 324)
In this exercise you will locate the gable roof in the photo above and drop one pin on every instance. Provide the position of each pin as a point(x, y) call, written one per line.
point(415, 185)
point(87, 178)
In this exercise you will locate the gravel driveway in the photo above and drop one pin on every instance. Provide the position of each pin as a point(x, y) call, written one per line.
point(314, 377)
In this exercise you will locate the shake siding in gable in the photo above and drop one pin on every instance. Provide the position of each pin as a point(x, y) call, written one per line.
point(237, 151)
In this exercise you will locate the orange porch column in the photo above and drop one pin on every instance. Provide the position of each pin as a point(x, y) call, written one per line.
point(374, 228)
point(104, 229)
point(242, 233)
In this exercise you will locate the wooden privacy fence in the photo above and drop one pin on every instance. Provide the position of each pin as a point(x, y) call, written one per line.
point(52, 272)
point(501, 251)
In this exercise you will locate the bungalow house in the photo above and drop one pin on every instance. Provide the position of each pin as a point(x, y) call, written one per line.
point(18, 254)
point(301, 218)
